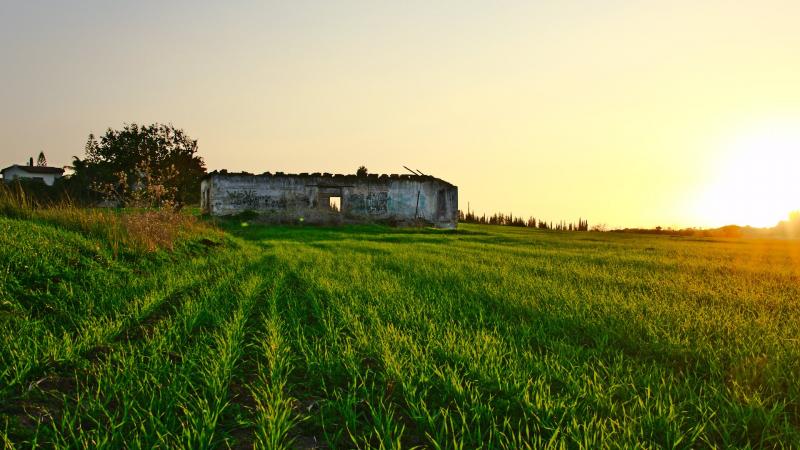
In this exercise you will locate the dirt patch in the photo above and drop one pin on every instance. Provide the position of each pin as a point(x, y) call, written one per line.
point(305, 406)
point(307, 443)
point(55, 384)
point(241, 395)
point(243, 438)
point(98, 353)
point(209, 243)
point(26, 416)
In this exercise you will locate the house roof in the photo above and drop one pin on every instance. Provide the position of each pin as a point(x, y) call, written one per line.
point(35, 169)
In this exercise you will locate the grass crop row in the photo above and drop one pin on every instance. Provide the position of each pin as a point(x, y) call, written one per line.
point(487, 337)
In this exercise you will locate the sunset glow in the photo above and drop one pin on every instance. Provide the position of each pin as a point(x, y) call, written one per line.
point(755, 179)
point(632, 114)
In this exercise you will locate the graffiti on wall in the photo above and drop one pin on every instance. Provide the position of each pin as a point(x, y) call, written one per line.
point(375, 203)
point(250, 199)
point(245, 199)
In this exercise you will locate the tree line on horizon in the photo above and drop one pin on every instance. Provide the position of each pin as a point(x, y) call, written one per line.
point(518, 221)
point(784, 229)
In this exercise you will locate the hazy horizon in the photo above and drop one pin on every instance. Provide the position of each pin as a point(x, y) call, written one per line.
point(633, 114)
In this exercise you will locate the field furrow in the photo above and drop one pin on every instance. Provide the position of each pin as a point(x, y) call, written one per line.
point(206, 403)
point(35, 349)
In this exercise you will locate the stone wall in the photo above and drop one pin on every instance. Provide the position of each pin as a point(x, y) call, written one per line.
point(306, 198)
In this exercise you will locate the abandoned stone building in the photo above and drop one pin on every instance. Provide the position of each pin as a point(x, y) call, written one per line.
point(331, 199)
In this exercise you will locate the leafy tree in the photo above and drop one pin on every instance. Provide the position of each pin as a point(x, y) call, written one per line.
point(41, 161)
point(78, 185)
point(137, 163)
point(362, 171)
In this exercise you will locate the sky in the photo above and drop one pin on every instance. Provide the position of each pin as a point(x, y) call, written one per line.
point(628, 113)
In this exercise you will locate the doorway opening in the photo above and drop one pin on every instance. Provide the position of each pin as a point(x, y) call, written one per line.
point(335, 203)
point(330, 199)
point(441, 204)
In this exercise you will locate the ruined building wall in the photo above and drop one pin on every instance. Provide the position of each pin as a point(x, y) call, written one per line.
point(279, 198)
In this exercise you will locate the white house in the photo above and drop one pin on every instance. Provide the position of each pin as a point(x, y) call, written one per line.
point(48, 175)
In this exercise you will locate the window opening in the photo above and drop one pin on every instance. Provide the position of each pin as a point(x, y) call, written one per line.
point(335, 203)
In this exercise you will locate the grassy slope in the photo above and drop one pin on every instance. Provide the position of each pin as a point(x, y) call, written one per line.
point(369, 336)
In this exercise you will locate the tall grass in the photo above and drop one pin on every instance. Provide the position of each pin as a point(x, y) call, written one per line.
point(131, 231)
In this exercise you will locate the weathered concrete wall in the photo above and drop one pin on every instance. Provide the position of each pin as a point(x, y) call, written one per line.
point(279, 198)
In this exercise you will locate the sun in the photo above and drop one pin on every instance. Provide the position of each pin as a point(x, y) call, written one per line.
point(754, 179)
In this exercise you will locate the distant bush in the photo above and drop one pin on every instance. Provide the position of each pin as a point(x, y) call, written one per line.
point(786, 229)
point(517, 221)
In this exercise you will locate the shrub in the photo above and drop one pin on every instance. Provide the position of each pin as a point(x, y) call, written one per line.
point(133, 231)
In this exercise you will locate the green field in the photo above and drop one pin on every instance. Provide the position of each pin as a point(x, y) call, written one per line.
point(374, 337)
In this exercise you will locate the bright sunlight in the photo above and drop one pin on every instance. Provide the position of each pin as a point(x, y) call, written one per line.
point(754, 181)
